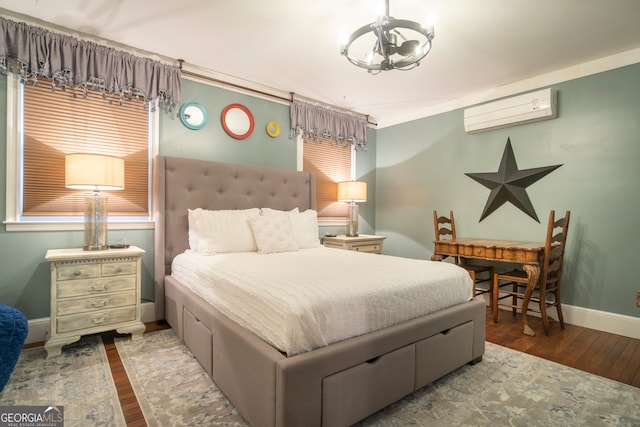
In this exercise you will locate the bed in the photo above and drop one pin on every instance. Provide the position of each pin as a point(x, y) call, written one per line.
point(335, 384)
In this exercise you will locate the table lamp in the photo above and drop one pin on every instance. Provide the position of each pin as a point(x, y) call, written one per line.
point(94, 172)
point(352, 192)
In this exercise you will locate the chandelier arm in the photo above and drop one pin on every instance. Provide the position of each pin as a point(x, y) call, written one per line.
point(395, 30)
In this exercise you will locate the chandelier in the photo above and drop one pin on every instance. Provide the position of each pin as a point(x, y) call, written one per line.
point(388, 44)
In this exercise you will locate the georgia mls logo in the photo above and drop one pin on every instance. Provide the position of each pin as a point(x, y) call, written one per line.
point(56, 410)
point(31, 416)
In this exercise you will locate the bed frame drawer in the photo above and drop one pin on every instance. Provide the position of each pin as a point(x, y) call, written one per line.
point(355, 393)
point(198, 338)
point(442, 353)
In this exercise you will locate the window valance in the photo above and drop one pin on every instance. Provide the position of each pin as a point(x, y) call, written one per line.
point(317, 123)
point(34, 52)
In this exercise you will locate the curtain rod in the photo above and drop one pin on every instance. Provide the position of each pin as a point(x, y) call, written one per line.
point(226, 83)
point(260, 92)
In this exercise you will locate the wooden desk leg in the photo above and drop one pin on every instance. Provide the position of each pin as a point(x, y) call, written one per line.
point(533, 274)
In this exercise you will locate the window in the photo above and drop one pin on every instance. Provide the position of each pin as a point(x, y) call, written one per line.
point(49, 126)
point(330, 164)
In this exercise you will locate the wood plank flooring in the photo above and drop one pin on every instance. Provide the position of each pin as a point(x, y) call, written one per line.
point(611, 356)
point(601, 353)
point(128, 402)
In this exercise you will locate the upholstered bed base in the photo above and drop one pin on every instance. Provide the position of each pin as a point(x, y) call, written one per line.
point(336, 385)
point(333, 386)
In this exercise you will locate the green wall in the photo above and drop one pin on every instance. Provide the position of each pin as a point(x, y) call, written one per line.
point(25, 281)
point(213, 143)
point(421, 166)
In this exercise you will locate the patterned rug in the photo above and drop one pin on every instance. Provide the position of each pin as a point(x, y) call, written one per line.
point(80, 380)
point(506, 388)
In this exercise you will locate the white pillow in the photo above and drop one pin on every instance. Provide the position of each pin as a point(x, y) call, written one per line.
point(304, 226)
point(305, 229)
point(220, 231)
point(273, 234)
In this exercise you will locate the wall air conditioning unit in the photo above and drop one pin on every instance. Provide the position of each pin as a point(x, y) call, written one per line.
point(517, 110)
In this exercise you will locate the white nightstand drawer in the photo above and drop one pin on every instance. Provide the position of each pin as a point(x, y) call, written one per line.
point(377, 248)
point(76, 288)
point(78, 271)
point(99, 318)
point(82, 305)
point(361, 243)
point(118, 268)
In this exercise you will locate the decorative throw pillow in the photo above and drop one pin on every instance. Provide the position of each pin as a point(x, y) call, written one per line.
point(272, 234)
point(304, 226)
point(221, 231)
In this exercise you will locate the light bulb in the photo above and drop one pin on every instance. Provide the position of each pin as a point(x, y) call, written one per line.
point(344, 39)
point(369, 58)
point(431, 23)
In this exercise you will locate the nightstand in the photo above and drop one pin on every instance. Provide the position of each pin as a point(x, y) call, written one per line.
point(93, 291)
point(361, 243)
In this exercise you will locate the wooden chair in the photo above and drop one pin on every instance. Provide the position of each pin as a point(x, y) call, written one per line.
point(548, 283)
point(445, 228)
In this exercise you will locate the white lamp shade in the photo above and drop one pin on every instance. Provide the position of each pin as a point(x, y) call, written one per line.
point(93, 172)
point(352, 191)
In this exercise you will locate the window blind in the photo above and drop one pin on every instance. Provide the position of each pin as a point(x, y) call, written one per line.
point(57, 124)
point(330, 164)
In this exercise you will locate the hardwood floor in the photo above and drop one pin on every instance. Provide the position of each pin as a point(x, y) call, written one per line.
point(601, 353)
point(611, 356)
point(128, 402)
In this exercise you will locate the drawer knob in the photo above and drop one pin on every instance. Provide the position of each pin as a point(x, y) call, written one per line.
point(77, 273)
point(99, 287)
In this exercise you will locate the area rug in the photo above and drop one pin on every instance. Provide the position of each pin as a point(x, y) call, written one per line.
point(506, 388)
point(171, 387)
point(80, 380)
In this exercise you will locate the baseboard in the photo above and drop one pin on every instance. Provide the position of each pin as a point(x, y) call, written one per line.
point(619, 324)
point(613, 323)
point(39, 328)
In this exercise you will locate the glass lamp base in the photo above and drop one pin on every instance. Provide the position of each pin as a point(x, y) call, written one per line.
point(96, 215)
point(352, 223)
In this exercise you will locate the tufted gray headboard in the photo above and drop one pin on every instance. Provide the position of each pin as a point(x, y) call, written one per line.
point(180, 184)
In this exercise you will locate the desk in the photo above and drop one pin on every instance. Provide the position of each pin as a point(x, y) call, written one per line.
point(529, 254)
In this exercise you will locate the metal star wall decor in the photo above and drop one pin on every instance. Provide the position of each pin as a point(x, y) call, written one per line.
point(509, 184)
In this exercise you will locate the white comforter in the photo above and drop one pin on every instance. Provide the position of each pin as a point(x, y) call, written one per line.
point(298, 301)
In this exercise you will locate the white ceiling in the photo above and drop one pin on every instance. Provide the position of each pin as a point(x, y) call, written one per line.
point(293, 45)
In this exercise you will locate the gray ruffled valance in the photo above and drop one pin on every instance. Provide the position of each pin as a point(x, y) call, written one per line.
point(317, 122)
point(34, 52)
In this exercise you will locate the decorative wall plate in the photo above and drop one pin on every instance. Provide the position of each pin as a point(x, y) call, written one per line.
point(193, 115)
point(273, 129)
point(237, 121)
